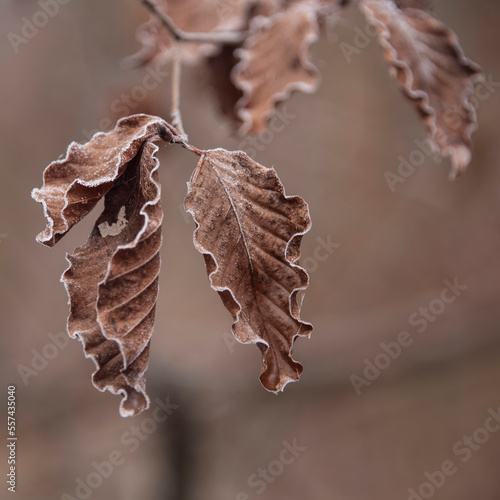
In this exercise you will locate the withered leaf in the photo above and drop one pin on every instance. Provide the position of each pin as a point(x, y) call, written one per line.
point(222, 64)
point(73, 186)
point(273, 62)
point(190, 16)
point(112, 280)
point(250, 232)
point(112, 283)
point(433, 72)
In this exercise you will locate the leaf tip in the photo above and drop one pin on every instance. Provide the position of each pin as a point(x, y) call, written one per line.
point(460, 157)
point(133, 403)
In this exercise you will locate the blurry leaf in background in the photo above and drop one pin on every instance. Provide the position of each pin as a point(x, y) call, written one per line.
point(274, 61)
point(190, 16)
point(432, 71)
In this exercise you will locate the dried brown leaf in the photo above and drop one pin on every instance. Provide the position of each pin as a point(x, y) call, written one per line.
point(222, 64)
point(274, 61)
point(250, 232)
point(112, 280)
point(112, 283)
point(190, 16)
point(73, 186)
point(432, 71)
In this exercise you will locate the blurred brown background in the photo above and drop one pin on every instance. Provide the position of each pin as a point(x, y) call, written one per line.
point(396, 249)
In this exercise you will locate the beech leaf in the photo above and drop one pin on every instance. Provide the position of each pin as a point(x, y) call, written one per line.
point(273, 62)
point(433, 72)
point(112, 280)
point(73, 186)
point(190, 16)
point(112, 283)
point(250, 232)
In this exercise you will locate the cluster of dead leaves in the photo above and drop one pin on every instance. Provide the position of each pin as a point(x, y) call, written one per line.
point(274, 59)
point(247, 229)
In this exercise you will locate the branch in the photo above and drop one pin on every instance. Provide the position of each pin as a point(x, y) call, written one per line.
point(219, 37)
point(175, 114)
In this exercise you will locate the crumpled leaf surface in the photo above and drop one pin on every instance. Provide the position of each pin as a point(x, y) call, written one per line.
point(250, 233)
point(191, 16)
point(274, 61)
point(112, 280)
point(73, 186)
point(112, 283)
point(432, 71)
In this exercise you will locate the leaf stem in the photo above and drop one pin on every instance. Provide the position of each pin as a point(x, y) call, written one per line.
point(219, 37)
point(194, 150)
point(168, 133)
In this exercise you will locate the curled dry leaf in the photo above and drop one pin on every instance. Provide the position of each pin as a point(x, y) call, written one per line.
point(190, 16)
point(432, 71)
point(112, 280)
point(222, 64)
point(274, 61)
point(112, 283)
point(73, 186)
point(250, 233)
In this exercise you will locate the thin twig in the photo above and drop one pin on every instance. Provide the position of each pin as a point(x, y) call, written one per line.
point(232, 37)
point(176, 91)
point(180, 36)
